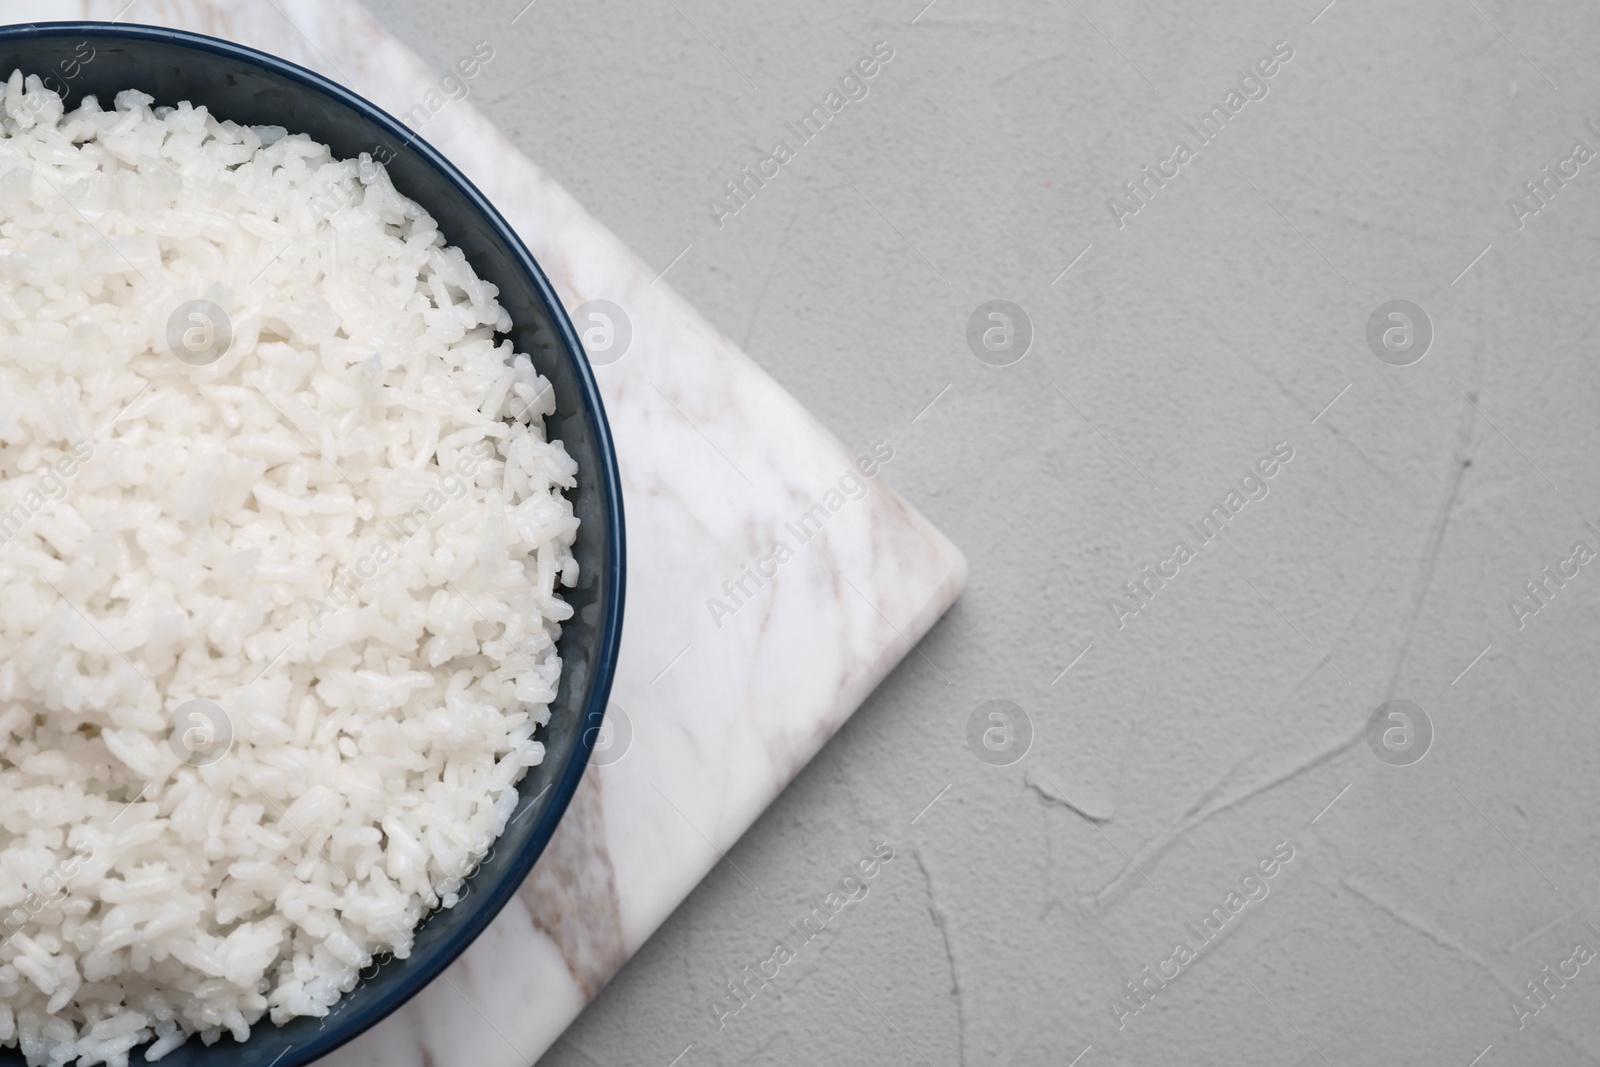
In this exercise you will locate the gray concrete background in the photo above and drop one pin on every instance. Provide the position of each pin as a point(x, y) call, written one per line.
point(1229, 713)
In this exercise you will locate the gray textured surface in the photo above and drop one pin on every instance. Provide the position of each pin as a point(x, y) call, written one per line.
point(1220, 321)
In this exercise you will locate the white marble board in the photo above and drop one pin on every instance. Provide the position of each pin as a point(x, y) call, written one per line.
point(718, 465)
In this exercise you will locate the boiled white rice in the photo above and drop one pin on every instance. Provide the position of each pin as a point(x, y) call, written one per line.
point(345, 534)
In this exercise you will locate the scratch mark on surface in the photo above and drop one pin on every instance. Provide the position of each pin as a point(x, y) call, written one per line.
point(1198, 814)
point(1309, 763)
point(1051, 799)
point(1441, 522)
point(939, 920)
point(1421, 927)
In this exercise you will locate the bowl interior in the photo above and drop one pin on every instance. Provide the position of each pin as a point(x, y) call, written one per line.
point(250, 87)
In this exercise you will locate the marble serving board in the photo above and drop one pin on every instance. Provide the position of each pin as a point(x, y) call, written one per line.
point(724, 706)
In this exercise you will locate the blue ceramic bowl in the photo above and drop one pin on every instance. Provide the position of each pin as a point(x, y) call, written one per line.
point(254, 88)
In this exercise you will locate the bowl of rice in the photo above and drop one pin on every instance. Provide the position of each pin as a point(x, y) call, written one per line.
point(311, 555)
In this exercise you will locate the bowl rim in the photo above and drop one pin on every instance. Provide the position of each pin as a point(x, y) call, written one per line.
point(607, 480)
